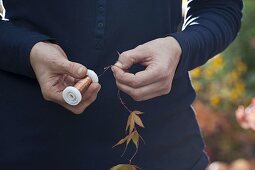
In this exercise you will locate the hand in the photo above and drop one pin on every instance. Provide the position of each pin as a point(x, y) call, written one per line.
point(241, 117)
point(54, 72)
point(160, 57)
point(246, 116)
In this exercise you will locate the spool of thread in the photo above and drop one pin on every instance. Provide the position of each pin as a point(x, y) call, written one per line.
point(72, 94)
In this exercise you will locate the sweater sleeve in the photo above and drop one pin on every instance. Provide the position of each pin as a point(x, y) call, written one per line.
point(209, 27)
point(16, 42)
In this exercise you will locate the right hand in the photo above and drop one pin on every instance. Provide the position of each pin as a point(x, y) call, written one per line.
point(246, 116)
point(55, 72)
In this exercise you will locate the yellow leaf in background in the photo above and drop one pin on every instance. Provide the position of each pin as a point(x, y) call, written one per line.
point(124, 167)
point(196, 73)
point(138, 121)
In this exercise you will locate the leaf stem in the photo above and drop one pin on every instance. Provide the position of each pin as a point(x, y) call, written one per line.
point(130, 161)
point(122, 102)
point(124, 151)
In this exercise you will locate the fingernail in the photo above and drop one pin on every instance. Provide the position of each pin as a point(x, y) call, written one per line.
point(80, 71)
point(118, 64)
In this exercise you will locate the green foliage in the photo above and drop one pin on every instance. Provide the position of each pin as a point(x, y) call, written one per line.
point(244, 48)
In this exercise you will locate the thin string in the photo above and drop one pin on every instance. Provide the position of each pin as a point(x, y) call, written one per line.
point(118, 93)
point(108, 67)
point(105, 69)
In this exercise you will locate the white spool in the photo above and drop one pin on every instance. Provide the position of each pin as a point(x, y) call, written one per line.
point(73, 96)
point(93, 76)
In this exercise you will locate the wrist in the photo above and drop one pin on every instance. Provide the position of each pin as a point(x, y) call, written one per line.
point(35, 51)
point(174, 47)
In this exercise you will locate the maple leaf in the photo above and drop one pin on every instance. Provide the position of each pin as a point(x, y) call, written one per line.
point(138, 121)
point(133, 135)
point(121, 141)
point(130, 136)
point(135, 139)
point(128, 122)
point(131, 122)
point(133, 119)
point(124, 167)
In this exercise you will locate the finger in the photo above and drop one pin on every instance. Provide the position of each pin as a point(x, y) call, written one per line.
point(88, 98)
point(93, 89)
point(146, 92)
point(73, 69)
point(69, 80)
point(143, 78)
point(130, 57)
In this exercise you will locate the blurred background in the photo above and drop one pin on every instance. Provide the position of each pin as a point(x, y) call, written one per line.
point(224, 83)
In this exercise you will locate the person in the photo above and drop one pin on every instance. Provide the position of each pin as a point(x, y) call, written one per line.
point(48, 45)
point(246, 116)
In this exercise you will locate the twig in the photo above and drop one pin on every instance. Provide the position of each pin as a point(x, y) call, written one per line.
point(133, 156)
point(122, 102)
point(124, 151)
point(118, 94)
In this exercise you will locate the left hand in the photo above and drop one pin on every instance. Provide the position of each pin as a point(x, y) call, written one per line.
point(160, 57)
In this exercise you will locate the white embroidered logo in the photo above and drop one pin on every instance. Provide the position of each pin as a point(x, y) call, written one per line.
point(189, 20)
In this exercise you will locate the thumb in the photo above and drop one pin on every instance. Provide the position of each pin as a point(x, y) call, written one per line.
point(131, 57)
point(73, 69)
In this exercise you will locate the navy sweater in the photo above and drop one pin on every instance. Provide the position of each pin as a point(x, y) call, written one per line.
point(35, 134)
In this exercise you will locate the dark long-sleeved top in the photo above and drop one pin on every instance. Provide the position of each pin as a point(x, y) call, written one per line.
point(35, 134)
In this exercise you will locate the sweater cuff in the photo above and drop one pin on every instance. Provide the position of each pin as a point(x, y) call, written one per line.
point(26, 47)
point(182, 39)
